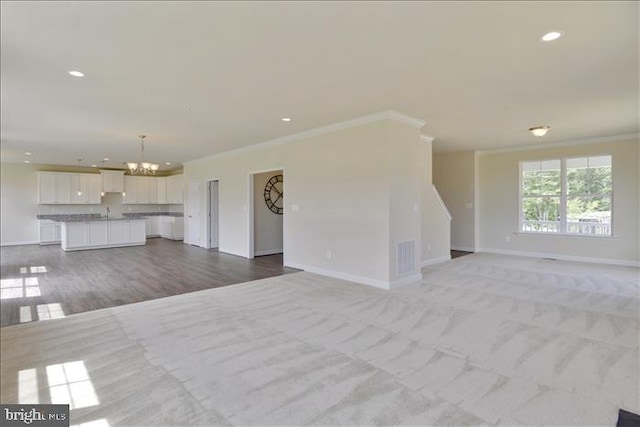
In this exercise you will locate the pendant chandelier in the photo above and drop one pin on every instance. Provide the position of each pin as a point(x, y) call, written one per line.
point(142, 168)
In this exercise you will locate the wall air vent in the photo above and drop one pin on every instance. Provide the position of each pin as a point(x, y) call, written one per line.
point(405, 257)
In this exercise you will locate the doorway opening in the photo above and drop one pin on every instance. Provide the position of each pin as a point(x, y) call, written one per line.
point(266, 237)
point(212, 215)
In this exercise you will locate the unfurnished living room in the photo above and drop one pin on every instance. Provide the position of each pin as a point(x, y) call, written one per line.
point(320, 213)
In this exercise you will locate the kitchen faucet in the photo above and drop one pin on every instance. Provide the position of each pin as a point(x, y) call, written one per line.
point(108, 210)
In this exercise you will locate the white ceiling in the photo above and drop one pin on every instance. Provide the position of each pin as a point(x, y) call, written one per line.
point(200, 78)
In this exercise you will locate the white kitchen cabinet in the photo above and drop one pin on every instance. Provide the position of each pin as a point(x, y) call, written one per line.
point(49, 232)
point(74, 235)
point(161, 190)
point(54, 188)
point(140, 190)
point(151, 187)
point(130, 190)
point(137, 231)
point(171, 227)
point(95, 234)
point(119, 232)
point(85, 189)
point(94, 187)
point(152, 226)
point(98, 233)
point(78, 189)
point(175, 189)
point(112, 181)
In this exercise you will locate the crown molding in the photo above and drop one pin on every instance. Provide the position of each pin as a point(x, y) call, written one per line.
point(567, 143)
point(358, 121)
point(427, 138)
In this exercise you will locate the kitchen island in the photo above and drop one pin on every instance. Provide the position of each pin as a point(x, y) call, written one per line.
point(102, 232)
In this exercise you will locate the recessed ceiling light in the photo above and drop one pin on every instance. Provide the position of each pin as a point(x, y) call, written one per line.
point(551, 35)
point(28, 153)
point(168, 163)
point(286, 119)
point(76, 73)
point(106, 159)
point(26, 161)
point(540, 130)
point(94, 166)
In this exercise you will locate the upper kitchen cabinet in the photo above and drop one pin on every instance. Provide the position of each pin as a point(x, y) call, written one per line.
point(161, 190)
point(140, 190)
point(85, 189)
point(175, 189)
point(112, 181)
point(58, 188)
point(54, 188)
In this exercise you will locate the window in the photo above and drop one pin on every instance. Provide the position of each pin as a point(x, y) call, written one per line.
point(569, 196)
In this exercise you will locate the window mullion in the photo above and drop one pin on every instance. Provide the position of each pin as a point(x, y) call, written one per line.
point(563, 195)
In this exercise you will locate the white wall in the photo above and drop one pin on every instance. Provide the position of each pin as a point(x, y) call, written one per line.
point(454, 177)
point(19, 203)
point(436, 224)
point(499, 216)
point(341, 217)
point(267, 226)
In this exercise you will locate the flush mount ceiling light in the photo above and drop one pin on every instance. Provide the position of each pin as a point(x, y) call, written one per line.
point(551, 36)
point(286, 119)
point(106, 159)
point(540, 130)
point(76, 73)
point(142, 168)
point(28, 153)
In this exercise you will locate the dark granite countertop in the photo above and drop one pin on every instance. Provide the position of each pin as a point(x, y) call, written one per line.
point(69, 217)
point(99, 217)
point(144, 214)
point(102, 218)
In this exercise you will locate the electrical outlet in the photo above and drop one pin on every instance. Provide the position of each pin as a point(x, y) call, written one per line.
point(428, 247)
point(328, 254)
point(507, 238)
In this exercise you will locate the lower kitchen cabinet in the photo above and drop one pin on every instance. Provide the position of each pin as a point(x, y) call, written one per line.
point(169, 227)
point(49, 232)
point(79, 235)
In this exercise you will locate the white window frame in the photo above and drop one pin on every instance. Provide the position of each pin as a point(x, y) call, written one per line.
point(562, 226)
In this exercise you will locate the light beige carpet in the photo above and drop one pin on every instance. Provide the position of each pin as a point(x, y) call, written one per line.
point(483, 339)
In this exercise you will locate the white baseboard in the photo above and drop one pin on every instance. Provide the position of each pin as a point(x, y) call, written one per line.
point(268, 252)
point(405, 280)
point(28, 242)
point(340, 275)
point(626, 263)
point(462, 248)
point(435, 260)
point(232, 252)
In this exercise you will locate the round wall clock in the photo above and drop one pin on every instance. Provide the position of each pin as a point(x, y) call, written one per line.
point(274, 195)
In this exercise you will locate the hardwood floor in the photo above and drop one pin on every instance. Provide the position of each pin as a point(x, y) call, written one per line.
point(43, 282)
point(458, 254)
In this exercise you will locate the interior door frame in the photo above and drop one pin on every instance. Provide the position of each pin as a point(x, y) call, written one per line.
point(209, 213)
point(251, 210)
point(193, 210)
